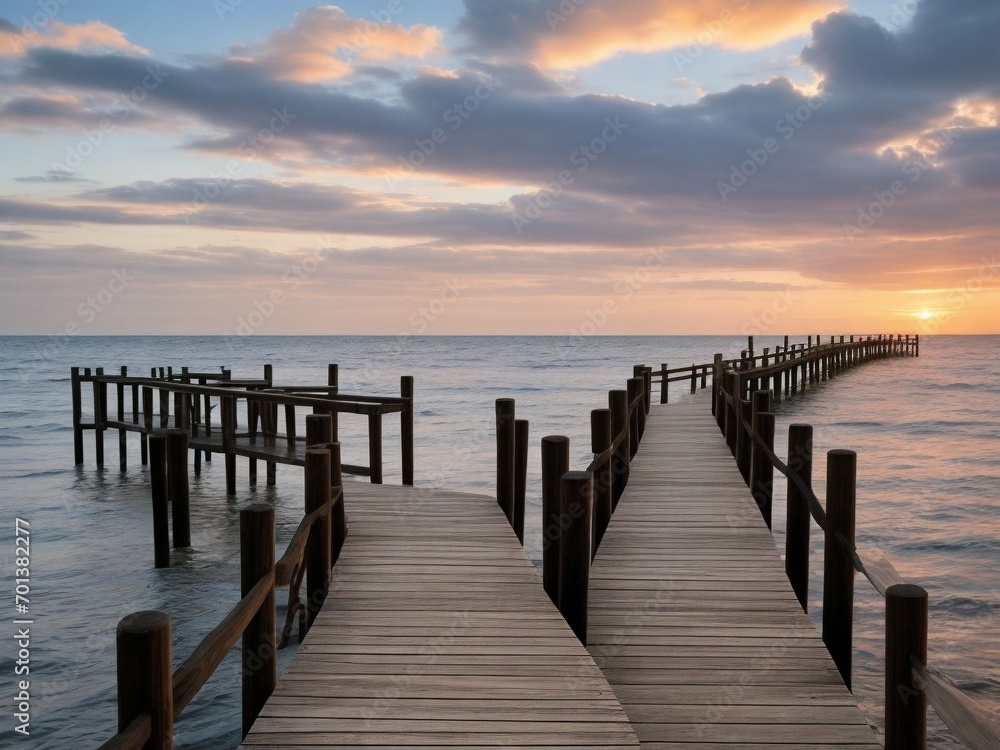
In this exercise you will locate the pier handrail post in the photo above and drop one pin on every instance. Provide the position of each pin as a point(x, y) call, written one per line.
point(640, 413)
point(618, 404)
point(838, 566)
point(520, 477)
point(716, 387)
point(227, 407)
point(639, 371)
point(694, 378)
point(319, 430)
point(732, 413)
point(120, 404)
point(600, 441)
point(177, 486)
point(664, 384)
point(633, 390)
point(338, 513)
point(260, 654)
point(555, 463)
point(744, 441)
point(158, 487)
point(798, 519)
point(506, 448)
point(905, 644)
point(333, 383)
point(145, 679)
point(761, 468)
point(318, 484)
point(375, 447)
point(100, 414)
point(647, 380)
point(406, 428)
point(576, 511)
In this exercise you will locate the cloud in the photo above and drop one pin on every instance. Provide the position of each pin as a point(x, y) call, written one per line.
point(571, 34)
point(324, 42)
point(90, 36)
point(57, 176)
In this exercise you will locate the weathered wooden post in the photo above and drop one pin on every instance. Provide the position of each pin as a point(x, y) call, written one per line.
point(838, 566)
point(761, 468)
point(227, 405)
point(319, 430)
point(120, 404)
point(375, 447)
point(260, 654)
point(158, 485)
point(664, 384)
point(694, 378)
point(576, 503)
point(643, 410)
point(647, 381)
point(100, 415)
point(177, 486)
point(506, 448)
point(750, 346)
point(798, 518)
point(406, 428)
point(520, 476)
point(744, 441)
point(732, 410)
point(717, 409)
point(618, 404)
point(145, 677)
point(74, 376)
point(905, 644)
point(600, 441)
point(555, 463)
point(633, 391)
point(333, 383)
point(338, 514)
point(318, 483)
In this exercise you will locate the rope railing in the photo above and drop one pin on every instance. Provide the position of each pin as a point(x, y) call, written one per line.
point(970, 721)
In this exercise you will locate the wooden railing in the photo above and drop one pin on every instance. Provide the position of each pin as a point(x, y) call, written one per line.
point(748, 424)
point(576, 505)
point(259, 438)
point(150, 697)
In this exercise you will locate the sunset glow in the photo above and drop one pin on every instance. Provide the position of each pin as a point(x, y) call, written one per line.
point(703, 167)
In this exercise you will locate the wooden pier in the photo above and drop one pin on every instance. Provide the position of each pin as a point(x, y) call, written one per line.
point(684, 633)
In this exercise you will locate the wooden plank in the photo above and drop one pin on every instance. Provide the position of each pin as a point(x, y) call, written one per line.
point(436, 633)
point(692, 619)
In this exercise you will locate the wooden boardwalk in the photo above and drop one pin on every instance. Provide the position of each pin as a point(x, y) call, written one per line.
point(692, 619)
point(437, 633)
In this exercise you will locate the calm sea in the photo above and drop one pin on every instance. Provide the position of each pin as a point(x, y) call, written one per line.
point(926, 432)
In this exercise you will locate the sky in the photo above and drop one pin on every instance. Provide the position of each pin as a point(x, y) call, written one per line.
point(573, 167)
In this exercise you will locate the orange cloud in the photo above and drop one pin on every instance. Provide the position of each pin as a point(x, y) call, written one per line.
point(323, 41)
point(91, 36)
point(582, 34)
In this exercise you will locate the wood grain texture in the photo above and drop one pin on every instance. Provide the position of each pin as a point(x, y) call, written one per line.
point(691, 618)
point(437, 632)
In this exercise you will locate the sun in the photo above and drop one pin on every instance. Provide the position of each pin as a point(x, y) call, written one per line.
point(926, 315)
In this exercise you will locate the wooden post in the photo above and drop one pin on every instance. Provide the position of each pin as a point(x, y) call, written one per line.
point(647, 380)
point(319, 430)
point(838, 566)
point(158, 486)
point(694, 378)
point(520, 477)
point(375, 447)
point(227, 405)
point(333, 383)
point(643, 410)
point(576, 503)
point(318, 483)
point(750, 346)
point(798, 518)
point(338, 514)
point(633, 386)
point(716, 385)
point(618, 404)
point(664, 385)
point(100, 416)
point(761, 468)
point(74, 376)
point(406, 428)
point(122, 445)
point(145, 677)
point(177, 486)
point(600, 441)
point(555, 463)
point(916, 345)
point(732, 410)
point(744, 441)
point(260, 654)
point(905, 644)
point(506, 448)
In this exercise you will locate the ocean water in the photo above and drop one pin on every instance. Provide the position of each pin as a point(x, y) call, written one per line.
point(926, 432)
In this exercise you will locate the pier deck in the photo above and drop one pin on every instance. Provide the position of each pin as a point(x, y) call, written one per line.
point(437, 633)
point(692, 619)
